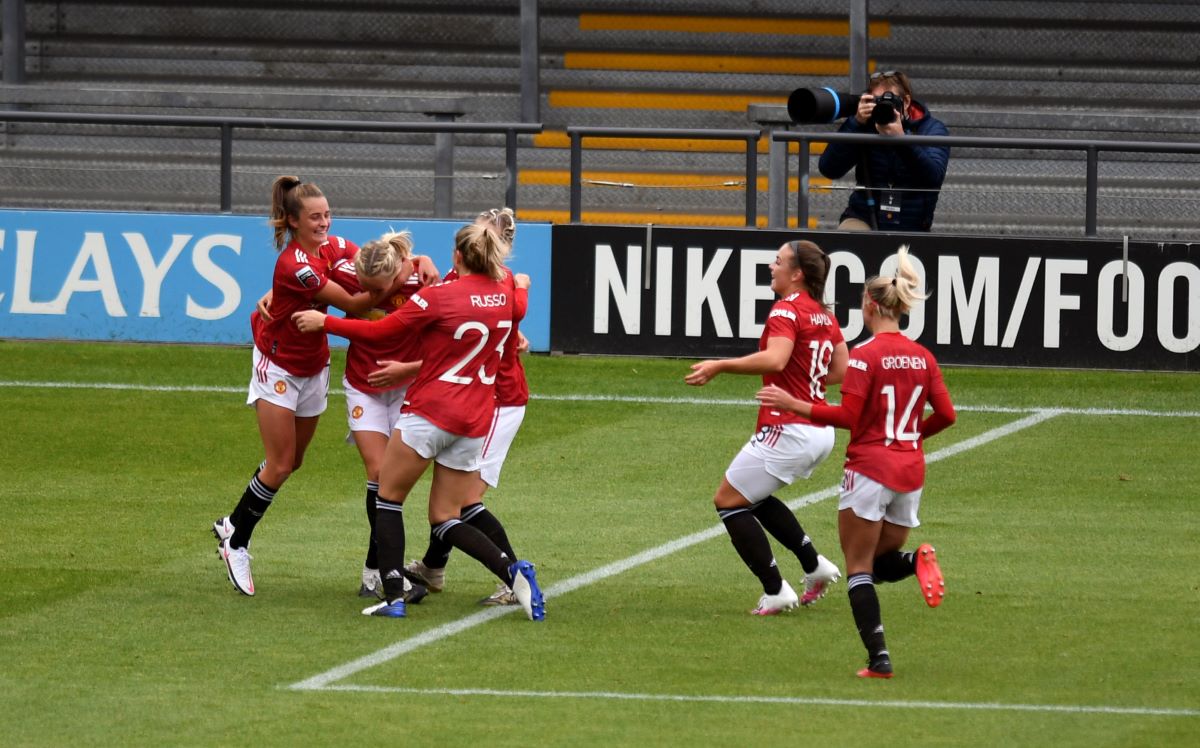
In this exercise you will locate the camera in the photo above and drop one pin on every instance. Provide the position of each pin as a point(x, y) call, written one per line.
point(808, 106)
point(886, 106)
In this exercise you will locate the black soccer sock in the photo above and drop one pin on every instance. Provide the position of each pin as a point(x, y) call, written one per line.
point(895, 565)
point(778, 520)
point(437, 554)
point(389, 536)
point(255, 502)
point(478, 546)
point(864, 603)
point(478, 516)
point(372, 561)
point(752, 545)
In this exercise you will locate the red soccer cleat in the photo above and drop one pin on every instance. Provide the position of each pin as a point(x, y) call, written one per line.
point(929, 575)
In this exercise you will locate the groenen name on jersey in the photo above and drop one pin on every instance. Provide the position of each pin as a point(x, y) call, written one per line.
point(903, 362)
point(489, 300)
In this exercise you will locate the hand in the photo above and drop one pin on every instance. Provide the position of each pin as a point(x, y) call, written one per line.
point(522, 342)
point(866, 105)
point(521, 280)
point(310, 320)
point(264, 305)
point(703, 373)
point(773, 396)
point(392, 373)
point(429, 273)
point(893, 128)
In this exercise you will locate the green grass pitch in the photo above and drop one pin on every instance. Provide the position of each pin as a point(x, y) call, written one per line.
point(1063, 505)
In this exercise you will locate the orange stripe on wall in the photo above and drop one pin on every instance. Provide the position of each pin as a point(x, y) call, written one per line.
point(559, 139)
point(658, 219)
point(706, 63)
point(676, 101)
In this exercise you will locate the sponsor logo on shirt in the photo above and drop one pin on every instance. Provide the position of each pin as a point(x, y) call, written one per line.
point(489, 300)
point(416, 299)
point(903, 362)
point(858, 364)
point(782, 313)
point(307, 277)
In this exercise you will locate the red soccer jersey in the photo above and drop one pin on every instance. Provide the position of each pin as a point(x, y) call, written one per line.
point(463, 326)
point(362, 357)
point(298, 278)
point(512, 388)
point(894, 377)
point(814, 333)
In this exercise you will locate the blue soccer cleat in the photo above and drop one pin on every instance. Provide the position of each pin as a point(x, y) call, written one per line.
point(525, 587)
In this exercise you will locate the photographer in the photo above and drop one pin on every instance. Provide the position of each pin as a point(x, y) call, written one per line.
point(897, 184)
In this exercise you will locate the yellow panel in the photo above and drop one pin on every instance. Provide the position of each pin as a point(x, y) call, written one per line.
point(559, 139)
point(715, 25)
point(706, 63)
point(676, 101)
point(671, 180)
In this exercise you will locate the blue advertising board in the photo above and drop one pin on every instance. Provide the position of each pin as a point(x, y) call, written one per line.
point(187, 278)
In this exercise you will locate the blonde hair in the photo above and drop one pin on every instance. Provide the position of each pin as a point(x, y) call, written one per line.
point(895, 295)
point(482, 249)
point(287, 200)
point(503, 220)
point(381, 257)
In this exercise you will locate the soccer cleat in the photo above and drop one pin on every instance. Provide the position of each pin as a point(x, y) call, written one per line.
point(525, 589)
point(386, 610)
point(769, 605)
point(372, 585)
point(418, 572)
point(222, 529)
point(237, 564)
point(502, 596)
point(878, 667)
point(817, 583)
point(414, 593)
point(929, 576)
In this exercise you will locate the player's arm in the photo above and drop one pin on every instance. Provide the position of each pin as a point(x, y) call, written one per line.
point(770, 360)
point(943, 416)
point(392, 372)
point(842, 416)
point(837, 364)
point(406, 319)
point(356, 304)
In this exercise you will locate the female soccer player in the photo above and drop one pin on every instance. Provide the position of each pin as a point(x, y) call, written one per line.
point(290, 381)
point(801, 350)
point(888, 382)
point(463, 327)
point(512, 394)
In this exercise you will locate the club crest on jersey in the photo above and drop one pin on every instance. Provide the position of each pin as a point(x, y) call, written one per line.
point(307, 277)
point(280, 387)
point(357, 412)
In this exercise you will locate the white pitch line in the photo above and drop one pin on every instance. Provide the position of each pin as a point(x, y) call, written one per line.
point(787, 700)
point(641, 400)
point(404, 646)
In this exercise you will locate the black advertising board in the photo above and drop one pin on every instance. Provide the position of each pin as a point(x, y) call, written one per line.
point(995, 301)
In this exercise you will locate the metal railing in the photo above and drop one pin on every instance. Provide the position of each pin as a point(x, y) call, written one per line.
point(750, 137)
point(443, 167)
point(1091, 149)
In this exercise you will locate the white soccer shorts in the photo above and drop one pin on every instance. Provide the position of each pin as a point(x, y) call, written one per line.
point(367, 411)
point(873, 501)
point(776, 456)
point(506, 421)
point(446, 449)
point(304, 396)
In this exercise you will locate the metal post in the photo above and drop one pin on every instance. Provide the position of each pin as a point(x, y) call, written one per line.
point(443, 170)
point(1093, 177)
point(752, 181)
point(576, 177)
point(530, 62)
point(13, 41)
point(802, 188)
point(859, 28)
point(510, 169)
point(777, 167)
point(226, 167)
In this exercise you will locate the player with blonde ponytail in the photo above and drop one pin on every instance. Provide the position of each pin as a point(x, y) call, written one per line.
point(889, 381)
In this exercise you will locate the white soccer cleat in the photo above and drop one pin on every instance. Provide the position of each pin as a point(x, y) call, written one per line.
point(769, 605)
point(237, 564)
point(433, 579)
point(817, 583)
point(223, 529)
point(372, 584)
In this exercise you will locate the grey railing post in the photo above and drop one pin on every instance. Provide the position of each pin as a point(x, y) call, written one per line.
point(752, 180)
point(576, 177)
point(226, 167)
point(510, 168)
point(1093, 178)
point(860, 26)
point(530, 62)
point(774, 117)
point(443, 170)
point(802, 186)
point(13, 40)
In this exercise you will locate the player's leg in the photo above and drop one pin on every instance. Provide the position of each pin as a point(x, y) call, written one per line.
point(860, 524)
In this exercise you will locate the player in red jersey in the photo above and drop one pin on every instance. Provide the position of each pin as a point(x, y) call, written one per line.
point(512, 394)
point(888, 382)
point(289, 385)
point(463, 327)
point(801, 350)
